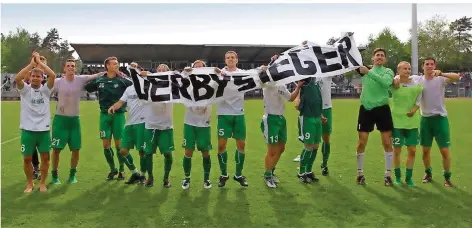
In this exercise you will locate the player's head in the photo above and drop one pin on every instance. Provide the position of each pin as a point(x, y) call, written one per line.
point(69, 67)
point(112, 65)
point(163, 68)
point(429, 64)
point(198, 63)
point(36, 77)
point(134, 64)
point(231, 59)
point(404, 69)
point(379, 57)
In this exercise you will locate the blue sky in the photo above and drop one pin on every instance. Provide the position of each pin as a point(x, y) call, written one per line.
point(284, 24)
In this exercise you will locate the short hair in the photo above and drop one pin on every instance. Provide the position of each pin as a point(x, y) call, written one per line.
point(163, 65)
point(107, 60)
point(199, 61)
point(69, 61)
point(402, 62)
point(429, 58)
point(379, 49)
point(232, 52)
point(37, 70)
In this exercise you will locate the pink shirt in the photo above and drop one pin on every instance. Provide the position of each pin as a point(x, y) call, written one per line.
point(69, 93)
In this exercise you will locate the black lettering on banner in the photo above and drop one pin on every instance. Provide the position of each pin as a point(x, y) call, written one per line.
point(342, 55)
point(264, 77)
point(276, 75)
point(322, 60)
point(310, 70)
point(245, 83)
point(178, 89)
point(221, 85)
point(197, 84)
point(159, 85)
point(346, 40)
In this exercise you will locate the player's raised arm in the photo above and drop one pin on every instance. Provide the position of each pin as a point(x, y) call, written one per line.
point(51, 75)
point(451, 77)
point(296, 93)
point(23, 72)
point(91, 86)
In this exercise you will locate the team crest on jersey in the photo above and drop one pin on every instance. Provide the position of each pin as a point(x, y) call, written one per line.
point(101, 85)
point(115, 86)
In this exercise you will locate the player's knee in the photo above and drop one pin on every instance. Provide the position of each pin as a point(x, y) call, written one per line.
point(124, 152)
point(141, 153)
point(240, 144)
point(444, 152)
point(28, 159)
point(282, 148)
point(106, 144)
point(326, 138)
point(188, 153)
point(45, 158)
point(221, 147)
point(205, 154)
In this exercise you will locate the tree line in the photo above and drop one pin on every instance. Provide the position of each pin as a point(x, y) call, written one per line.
point(450, 43)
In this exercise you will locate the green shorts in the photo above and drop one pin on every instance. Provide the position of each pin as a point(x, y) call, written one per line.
point(309, 129)
point(231, 127)
point(66, 130)
point(112, 125)
point(133, 137)
point(405, 137)
point(274, 128)
point(164, 139)
point(197, 135)
point(434, 127)
point(328, 126)
point(35, 139)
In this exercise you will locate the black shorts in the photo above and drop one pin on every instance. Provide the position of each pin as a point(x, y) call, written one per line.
point(379, 116)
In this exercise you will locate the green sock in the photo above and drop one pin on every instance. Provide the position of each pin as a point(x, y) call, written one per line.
point(129, 162)
point(206, 168)
point(223, 161)
point(398, 173)
point(54, 174)
point(447, 175)
point(429, 171)
point(109, 157)
point(167, 165)
point(187, 165)
point(273, 169)
point(148, 160)
point(311, 160)
point(239, 158)
point(409, 174)
point(325, 150)
point(142, 163)
point(121, 160)
point(267, 174)
point(72, 172)
point(303, 161)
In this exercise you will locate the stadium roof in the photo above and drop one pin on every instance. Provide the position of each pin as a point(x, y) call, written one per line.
point(97, 53)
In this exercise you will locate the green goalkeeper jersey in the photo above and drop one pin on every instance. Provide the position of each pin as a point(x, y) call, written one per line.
point(403, 100)
point(375, 86)
point(109, 91)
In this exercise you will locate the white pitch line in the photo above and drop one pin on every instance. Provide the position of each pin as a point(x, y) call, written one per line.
point(11, 140)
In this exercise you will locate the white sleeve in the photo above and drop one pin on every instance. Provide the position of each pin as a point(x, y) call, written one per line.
point(124, 97)
point(26, 88)
point(45, 90)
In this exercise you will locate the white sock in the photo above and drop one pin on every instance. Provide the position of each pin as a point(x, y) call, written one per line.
point(388, 163)
point(360, 163)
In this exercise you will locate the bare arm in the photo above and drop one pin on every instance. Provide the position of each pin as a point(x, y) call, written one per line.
point(295, 95)
point(21, 75)
point(51, 75)
point(451, 77)
point(297, 101)
point(116, 106)
point(94, 76)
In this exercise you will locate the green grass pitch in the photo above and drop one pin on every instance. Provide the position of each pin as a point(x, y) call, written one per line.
point(336, 201)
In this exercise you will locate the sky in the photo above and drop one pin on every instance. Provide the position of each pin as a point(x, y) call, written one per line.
point(270, 24)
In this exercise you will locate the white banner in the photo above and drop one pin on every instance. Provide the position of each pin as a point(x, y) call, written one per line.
point(203, 86)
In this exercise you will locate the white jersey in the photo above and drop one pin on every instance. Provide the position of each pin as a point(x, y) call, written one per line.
point(35, 114)
point(325, 86)
point(275, 98)
point(199, 116)
point(233, 102)
point(158, 115)
point(134, 106)
point(432, 101)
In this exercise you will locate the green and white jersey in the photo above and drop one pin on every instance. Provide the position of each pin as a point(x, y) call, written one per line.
point(35, 114)
point(233, 103)
point(325, 86)
point(403, 100)
point(134, 106)
point(199, 116)
point(158, 115)
point(274, 99)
